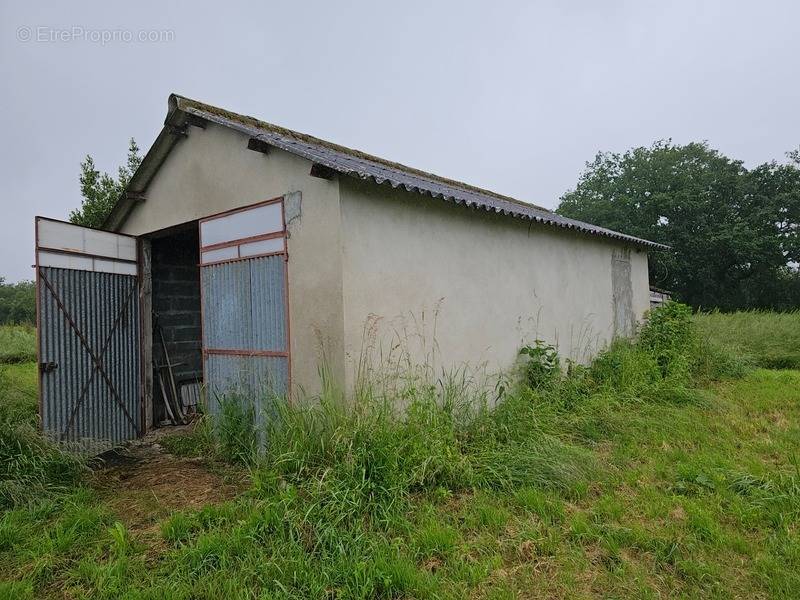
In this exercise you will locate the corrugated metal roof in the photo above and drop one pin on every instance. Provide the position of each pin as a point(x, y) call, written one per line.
point(365, 166)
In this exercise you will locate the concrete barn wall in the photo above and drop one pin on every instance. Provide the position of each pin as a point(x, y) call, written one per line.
point(362, 254)
point(213, 171)
point(471, 287)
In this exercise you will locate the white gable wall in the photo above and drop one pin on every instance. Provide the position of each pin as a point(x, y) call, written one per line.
point(213, 171)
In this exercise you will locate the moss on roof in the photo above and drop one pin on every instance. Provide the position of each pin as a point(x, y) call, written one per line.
point(188, 104)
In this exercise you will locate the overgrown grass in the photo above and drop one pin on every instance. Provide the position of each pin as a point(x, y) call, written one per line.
point(664, 468)
point(30, 467)
point(770, 340)
point(17, 343)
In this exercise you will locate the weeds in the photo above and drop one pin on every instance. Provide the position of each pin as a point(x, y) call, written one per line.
point(541, 365)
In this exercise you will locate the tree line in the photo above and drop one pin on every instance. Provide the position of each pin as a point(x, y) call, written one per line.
point(17, 303)
point(734, 232)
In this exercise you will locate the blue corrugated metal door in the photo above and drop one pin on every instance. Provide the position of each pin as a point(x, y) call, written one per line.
point(88, 336)
point(245, 325)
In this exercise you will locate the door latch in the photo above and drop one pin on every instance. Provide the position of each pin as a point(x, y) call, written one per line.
point(47, 367)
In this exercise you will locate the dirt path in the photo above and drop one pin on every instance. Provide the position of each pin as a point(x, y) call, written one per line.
point(143, 484)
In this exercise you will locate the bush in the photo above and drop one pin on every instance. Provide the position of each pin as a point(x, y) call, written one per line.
point(668, 336)
point(541, 365)
point(663, 364)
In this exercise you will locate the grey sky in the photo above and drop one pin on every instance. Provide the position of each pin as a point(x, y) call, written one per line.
point(514, 99)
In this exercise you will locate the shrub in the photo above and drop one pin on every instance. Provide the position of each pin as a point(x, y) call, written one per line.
point(541, 365)
point(668, 335)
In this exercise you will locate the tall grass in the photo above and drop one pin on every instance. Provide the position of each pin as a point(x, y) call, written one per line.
point(768, 339)
point(366, 458)
point(30, 467)
point(340, 477)
point(17, 343)
point(369, 453)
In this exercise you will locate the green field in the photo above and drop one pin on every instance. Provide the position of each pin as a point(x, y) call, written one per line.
point(668, 468)
point(770, 340)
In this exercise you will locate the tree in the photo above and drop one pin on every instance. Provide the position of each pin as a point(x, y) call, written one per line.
point(100, 191)
point(733, 232)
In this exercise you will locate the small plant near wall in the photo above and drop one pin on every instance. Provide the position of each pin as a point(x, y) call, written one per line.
point(668, 335)
point(541, 364)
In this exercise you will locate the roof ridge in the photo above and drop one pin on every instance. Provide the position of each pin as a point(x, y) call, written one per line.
point(342, 160)
point(184, 102)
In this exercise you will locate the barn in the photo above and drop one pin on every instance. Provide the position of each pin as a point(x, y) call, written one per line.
point(247, 256)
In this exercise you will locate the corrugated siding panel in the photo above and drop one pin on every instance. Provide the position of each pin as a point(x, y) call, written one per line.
point(243, 305)
point(244, 310)
point(259, 378)
point(78, 407)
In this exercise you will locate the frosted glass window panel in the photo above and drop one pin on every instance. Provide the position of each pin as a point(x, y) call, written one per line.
point(66, 261)
point(74, 238)
point(115, 266)
point(210, 256)
point(78, 262)
point(261, 247)
point(247, 223)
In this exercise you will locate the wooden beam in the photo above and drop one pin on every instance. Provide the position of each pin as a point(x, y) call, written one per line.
point(135, 197)
point(196, 121)
point(146, 331)
point(321, 171)
point(258, 145)
point(177, 131)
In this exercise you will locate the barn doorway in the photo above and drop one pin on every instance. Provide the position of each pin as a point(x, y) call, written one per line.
point(176, 357)
point(219, 325)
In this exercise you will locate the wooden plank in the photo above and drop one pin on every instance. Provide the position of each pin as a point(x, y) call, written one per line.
point(146, 307)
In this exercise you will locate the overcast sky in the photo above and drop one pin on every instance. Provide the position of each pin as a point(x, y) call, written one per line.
point(515, 99)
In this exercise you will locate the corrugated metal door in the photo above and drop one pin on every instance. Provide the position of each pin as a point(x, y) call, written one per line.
point(244, 303)
point(88, 335)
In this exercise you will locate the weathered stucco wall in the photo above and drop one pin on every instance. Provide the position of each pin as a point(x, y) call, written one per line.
point(458, 286)
point(213, 171)
point(372, 265)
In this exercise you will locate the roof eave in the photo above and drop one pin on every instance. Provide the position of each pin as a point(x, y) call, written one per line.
point(173, 131)
point(183, 111)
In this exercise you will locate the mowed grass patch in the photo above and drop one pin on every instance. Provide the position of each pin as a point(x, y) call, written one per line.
point(771, 340)
point(17, 343)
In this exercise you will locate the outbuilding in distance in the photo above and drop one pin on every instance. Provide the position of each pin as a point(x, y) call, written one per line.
point(241, 252)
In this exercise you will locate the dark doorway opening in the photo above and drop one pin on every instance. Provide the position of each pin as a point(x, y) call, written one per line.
point(177, 359)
